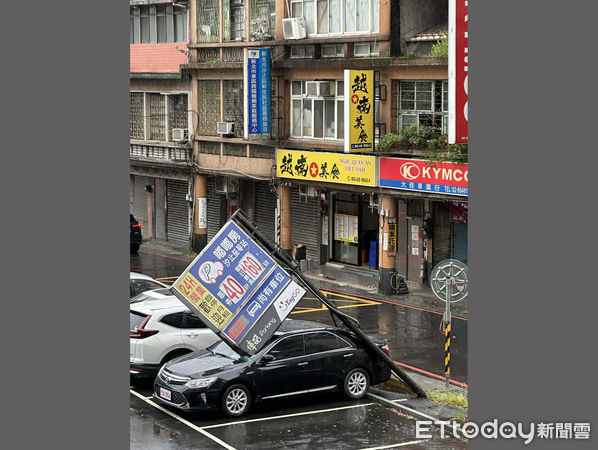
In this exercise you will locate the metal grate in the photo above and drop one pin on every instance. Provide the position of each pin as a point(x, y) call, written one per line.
point(177, 111)
point(234, 149)
point(209, 106)
point(208, 12)
point(233, 104)
point(208, 54)
point(261, 151)
point(261, 22)
point(233, 54)
point(212, 148)
point(176, 397)
point(136, 115)
point(157, 117)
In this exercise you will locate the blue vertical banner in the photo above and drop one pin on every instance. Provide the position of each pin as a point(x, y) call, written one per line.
point(258, 91)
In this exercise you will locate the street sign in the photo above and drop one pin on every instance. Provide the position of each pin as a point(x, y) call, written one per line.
point(450, 269)
point(238, 290)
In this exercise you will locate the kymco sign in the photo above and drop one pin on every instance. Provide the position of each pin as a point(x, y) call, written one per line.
point(417, 175)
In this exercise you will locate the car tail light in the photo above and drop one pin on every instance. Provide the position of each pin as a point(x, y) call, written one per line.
point(385, 349)
point(142, 333)
point(137, 225)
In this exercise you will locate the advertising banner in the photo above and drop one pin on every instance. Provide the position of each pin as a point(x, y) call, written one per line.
point(328, 167)
point(346, 228)
point(418, 175)
point(359, 110)
point(257, 88)
point(232, 284)
point(458, 66)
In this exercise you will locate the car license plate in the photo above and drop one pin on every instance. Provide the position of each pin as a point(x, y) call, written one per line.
point(165, 393)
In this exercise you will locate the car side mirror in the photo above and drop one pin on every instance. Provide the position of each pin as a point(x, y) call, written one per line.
point(267, 358)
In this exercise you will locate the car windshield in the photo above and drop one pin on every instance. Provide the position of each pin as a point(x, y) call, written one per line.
point(223, 349)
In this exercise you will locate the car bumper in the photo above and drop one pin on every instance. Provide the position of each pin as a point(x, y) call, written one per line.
point(187, 399)
point(144, 370)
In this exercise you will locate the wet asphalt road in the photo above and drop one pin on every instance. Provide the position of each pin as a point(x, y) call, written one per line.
point(328, 420)
point(414, 336)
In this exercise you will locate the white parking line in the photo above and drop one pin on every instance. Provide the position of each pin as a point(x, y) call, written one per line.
point(287, 415)
point(399, 400)
point(395, 445)
point(180, 419)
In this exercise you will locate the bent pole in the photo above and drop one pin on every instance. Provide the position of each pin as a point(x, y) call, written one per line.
point(351, 323)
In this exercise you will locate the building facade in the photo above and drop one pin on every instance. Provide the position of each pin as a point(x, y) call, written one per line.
point(391, 228)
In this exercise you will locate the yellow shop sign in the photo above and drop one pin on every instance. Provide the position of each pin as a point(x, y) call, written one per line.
point(359, 111)
point(327, 167)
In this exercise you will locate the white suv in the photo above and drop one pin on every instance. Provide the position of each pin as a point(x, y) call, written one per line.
point(162, 328)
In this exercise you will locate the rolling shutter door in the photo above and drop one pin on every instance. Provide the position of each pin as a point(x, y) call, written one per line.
point(459, 242)
point(214, 200)
point(140, 203)
point(265, 210)
point(305, 224)
point(442, 233)
point(177, 211)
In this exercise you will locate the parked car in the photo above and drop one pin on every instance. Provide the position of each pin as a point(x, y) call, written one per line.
point(135, 234)
point(140, 283)
point(163, 328)
point(302, 357)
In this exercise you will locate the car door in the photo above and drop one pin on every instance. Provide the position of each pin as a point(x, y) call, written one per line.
point(328, 356)
point(195, 334)
point(285, 374)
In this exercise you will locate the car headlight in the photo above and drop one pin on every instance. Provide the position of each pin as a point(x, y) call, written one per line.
point(200, 383)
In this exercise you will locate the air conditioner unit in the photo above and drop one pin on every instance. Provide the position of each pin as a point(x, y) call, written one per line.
point(294, 28)
point(318, 88)
point(180, 134)
point(374, 199)
point(225, 127)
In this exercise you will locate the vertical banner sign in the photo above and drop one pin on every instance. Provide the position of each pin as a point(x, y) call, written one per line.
point(257, 88)
point(359, 111)
point(458, 55)
point(392, 236)
point(238, 290)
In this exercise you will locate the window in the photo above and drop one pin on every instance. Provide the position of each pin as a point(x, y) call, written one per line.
point(209, 106)
point(365, 49)
point(208, 12)
point(317, 109)
point(154, 115)
point(423, 102)
point(289, 347)
point(158, 24)
point(135, 320)
point(174, 319)
point(333, 51)
point(190, 320)
point(302, 51)
point(325, 17)
point(233, 104)
point(323, 342)
point(261, 23)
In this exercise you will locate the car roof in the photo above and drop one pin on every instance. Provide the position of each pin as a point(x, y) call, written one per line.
point(140, 276)
point(155, 300)
point(293, 325)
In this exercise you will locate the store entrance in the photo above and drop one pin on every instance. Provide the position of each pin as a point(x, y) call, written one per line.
point(355, 231)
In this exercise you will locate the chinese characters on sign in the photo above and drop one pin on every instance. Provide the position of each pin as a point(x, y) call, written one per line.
point(257, 88)
point(236, 288)
point(329, 167)
point(359, 110)
point(392, 236)
point(418, 175)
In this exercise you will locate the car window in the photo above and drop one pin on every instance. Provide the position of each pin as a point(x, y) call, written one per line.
point(190, 320)
point(289, 347)
point(322, 342)
point(174, 319)
point(136, 319)
point(144, 285)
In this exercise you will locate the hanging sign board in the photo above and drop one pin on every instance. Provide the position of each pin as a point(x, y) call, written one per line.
point(238, 290)
point(328, 167)
point(359, 110)
point(257, 92)
point(392, 236)
point(458, 70)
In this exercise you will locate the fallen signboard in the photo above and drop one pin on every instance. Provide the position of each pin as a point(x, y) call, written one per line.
point(238, 290)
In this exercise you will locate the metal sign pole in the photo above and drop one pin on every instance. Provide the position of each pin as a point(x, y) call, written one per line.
point(447, 331)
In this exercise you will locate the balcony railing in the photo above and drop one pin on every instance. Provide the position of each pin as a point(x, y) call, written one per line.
point(172, 154)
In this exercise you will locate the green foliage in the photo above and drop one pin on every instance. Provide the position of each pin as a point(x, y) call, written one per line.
point(426, 140)
point(449, 398)
point(440, 49)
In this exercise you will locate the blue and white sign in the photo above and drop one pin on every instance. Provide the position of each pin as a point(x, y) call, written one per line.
point(257, 86)
point(232, 284)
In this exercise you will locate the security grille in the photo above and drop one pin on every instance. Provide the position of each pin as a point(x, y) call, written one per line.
point(157, 117)
point(209, 106)
point(233, 105)
point(136, 115)
point(208, 12)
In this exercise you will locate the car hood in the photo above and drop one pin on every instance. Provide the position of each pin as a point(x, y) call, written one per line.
point(200, 364)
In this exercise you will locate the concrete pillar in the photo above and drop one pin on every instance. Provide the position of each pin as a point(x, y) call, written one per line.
point(386, 261)
point(200, 221)
point(286, 242)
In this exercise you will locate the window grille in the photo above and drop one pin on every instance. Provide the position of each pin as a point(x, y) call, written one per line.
point(261, 151)
point(136, 115)
point(157, 24)
point(208, 12)
point(423, 102)
point(212, 148)
point(261, 22)
point(229, 149)
point(177, 111)
point(157, 120)
point(209, 106)
point(233, 104)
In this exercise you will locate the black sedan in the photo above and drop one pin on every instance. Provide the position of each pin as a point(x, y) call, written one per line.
point(302, 357)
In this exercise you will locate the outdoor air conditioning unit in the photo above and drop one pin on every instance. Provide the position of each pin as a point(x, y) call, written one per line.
point(225, 127)
point(318, 88)
point(374, 199)
point(180, 134)
point(294, 28)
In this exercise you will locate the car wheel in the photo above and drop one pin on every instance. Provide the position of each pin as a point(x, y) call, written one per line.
point(134, 248)
point(236, 400)
point(357, 383)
